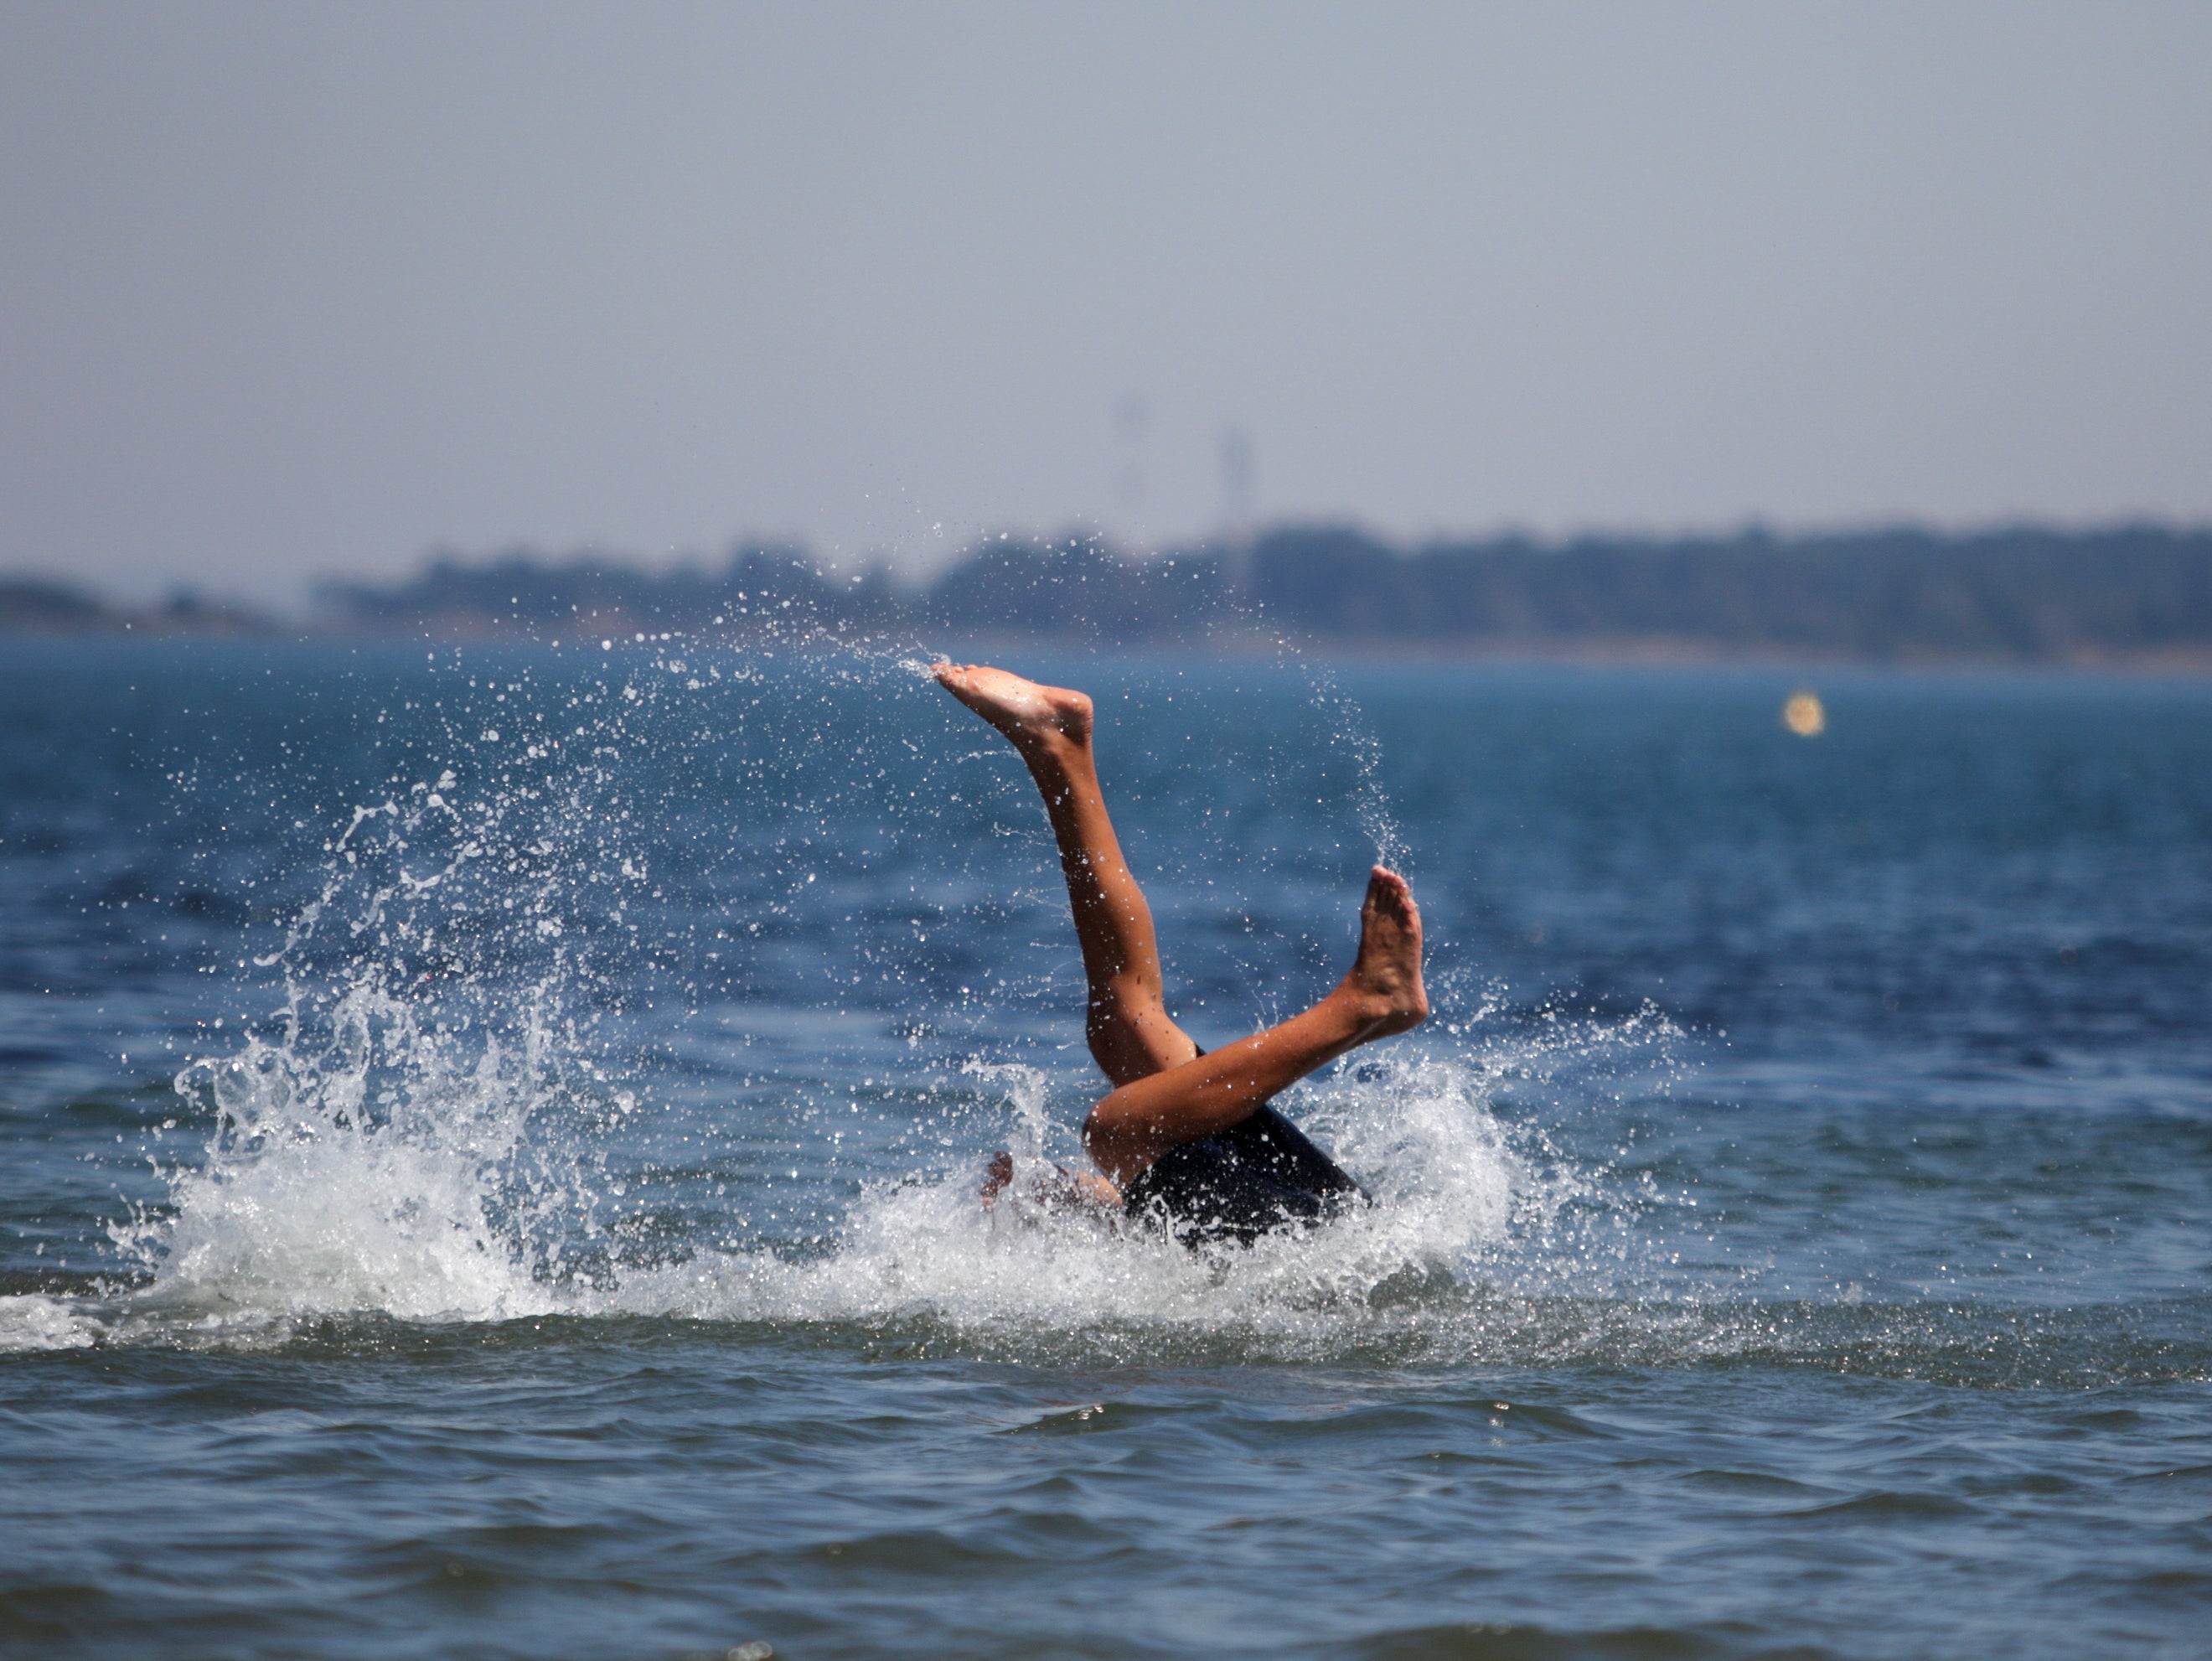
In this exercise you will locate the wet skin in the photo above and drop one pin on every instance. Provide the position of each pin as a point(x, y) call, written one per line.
point(1165, 1092)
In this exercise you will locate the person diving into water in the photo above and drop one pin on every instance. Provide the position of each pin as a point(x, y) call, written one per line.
point(1187, 1137)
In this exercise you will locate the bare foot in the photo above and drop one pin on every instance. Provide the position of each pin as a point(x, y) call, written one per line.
point(1386, 976)
point(1026, 713)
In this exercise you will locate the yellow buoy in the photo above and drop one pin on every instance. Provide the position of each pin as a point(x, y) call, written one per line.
point(1803, 715)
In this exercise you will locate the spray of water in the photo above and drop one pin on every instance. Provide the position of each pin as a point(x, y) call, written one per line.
point(426, 1126)
point(1349, 729)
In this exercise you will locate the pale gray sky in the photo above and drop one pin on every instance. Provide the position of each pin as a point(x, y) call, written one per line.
point(302, 288)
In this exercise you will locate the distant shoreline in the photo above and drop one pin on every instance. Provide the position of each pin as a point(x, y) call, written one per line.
point(1657, 656)
point(2135, 599)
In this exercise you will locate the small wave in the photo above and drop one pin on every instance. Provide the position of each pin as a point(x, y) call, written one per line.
point(35, 1321)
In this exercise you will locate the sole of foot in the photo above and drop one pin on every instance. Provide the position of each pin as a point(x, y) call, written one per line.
point(1387, 973)
point(1022, 709)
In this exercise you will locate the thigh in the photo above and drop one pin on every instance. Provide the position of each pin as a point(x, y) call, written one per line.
point(1131, 1040)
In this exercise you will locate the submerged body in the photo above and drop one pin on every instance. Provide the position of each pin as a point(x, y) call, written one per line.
point(1261, 1174)
point(1186, 1137)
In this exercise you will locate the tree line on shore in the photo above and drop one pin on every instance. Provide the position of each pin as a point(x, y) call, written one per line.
point(2027, 593)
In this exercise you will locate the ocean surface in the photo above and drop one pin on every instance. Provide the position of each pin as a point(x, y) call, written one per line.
point(490, 1141)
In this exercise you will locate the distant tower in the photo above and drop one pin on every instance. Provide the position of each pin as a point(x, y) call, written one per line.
point(1235, 460)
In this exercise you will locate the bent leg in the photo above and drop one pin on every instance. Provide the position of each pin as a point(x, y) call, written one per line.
point(1131, 1035)
point(1383, 994)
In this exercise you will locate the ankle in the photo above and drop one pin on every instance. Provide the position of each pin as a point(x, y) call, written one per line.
point(1359, 1007)
point(1057, 762)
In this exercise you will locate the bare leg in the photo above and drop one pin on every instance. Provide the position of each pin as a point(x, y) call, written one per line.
point(1131, 1035)
point(1145, 1117)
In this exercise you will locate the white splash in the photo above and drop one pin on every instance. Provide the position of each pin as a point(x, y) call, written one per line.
point(398, 1170)
point(425, 1134)
point(393, 1171)
point(1446, 1186)
point(34, 1322)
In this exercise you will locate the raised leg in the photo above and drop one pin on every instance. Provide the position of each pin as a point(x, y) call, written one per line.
point(1131, 1035)
point(1382, 994)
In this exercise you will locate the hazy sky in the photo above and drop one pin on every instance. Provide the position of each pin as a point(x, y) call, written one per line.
point(305, 287)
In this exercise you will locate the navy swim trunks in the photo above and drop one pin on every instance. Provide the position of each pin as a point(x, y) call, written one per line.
point(1261, 1174)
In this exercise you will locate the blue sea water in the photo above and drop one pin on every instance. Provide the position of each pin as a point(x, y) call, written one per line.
point(490, 1138)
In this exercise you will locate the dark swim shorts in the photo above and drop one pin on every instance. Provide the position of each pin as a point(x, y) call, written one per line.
point(1261, 1174)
